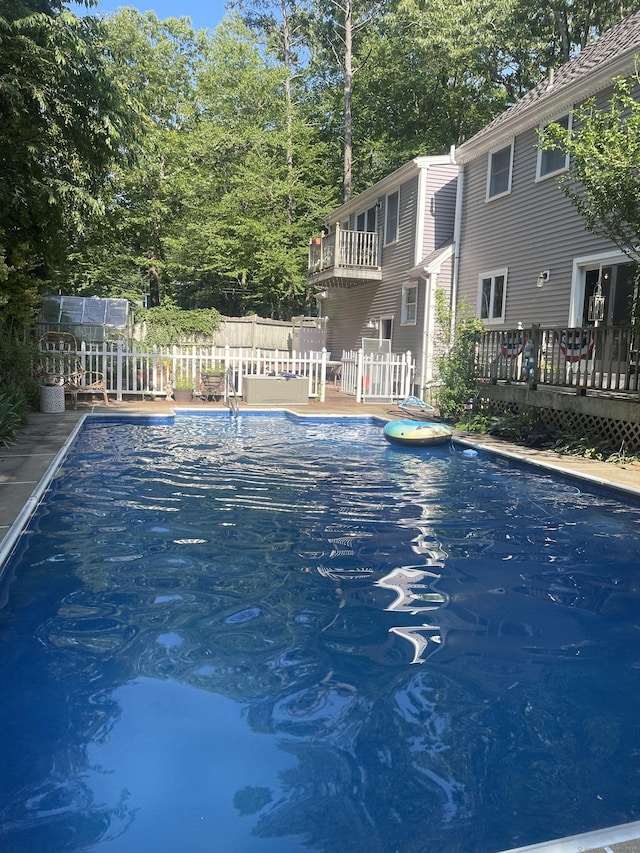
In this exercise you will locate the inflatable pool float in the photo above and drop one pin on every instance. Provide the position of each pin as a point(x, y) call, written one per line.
point(417, 433)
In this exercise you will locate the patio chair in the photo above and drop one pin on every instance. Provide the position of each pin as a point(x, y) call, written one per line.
point(61, 365)
point(212, 385)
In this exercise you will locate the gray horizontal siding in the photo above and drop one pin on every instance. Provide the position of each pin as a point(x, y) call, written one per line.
point(410, 337)
point(534, 228)
point(349, 309)
point(441, 205)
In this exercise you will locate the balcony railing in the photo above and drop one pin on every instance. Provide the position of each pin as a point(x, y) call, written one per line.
point(586, 358)
point(342, 253)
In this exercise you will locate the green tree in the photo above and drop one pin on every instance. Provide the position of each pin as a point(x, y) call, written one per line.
point(63, 125)
point(569, 25)
point(337, 32)
point(429, 74)
point(246, 213)
point(221, 200)
point(124, 253)
point(433, 76)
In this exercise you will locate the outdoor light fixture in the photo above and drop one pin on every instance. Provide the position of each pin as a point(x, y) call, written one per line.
point(596, 305)
point(373, 324)
point(543, 278)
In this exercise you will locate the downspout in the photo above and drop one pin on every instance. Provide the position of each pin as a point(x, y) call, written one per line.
point(426, 314)
point(456, 240)
point(421, 213)
point(419, 248)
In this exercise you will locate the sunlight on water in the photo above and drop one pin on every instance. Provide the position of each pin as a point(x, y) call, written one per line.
point(273, 635)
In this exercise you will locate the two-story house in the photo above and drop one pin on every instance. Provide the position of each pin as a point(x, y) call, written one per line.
point(524, 259)
point(381, 258)
point(524, 255)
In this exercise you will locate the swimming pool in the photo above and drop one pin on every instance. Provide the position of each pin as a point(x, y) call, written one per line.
point(271, 634)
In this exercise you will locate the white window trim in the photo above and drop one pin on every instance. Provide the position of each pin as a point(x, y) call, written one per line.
point(489, 197)
point(384, 318)
point(547, 175)
point(405, 289)
point(492, 274)
point(386, 214)
point(363, 212)
point(579, 269)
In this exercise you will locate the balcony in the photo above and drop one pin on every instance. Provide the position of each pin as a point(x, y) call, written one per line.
point(344, 258)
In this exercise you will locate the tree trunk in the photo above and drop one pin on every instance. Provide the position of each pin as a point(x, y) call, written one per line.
point(286, 48)
point(154, 287)
point(348, 84)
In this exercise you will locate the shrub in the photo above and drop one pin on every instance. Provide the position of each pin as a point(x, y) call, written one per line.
point(527, 429)
point(18, 359)
point(167, 324)
point(13, 412)
point(457, 366)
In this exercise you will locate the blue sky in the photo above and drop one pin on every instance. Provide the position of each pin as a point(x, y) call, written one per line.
point(204, 14)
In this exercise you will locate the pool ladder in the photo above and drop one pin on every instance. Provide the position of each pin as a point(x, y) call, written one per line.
point(231, 398)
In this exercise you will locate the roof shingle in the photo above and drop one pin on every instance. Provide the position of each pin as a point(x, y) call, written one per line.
point(619, 41)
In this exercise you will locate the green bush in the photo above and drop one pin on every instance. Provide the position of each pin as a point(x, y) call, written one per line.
point(167, 324)
point(18, 361)
point(525, 428)
point(457, 367)
point(13, 412)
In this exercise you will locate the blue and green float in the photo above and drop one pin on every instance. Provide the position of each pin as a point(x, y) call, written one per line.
point(417, 433)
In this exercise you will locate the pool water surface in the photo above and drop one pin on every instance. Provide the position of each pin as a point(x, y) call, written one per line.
point(274, 634)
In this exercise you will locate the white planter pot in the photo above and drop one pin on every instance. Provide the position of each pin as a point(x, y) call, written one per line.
point(51, 399)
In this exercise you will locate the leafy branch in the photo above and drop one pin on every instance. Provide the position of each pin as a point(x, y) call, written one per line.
point(167, 324)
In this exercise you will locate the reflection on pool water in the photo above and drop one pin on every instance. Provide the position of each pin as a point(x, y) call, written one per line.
point(265, 634)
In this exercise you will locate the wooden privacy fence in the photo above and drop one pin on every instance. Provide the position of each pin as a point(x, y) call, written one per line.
point(598, 358)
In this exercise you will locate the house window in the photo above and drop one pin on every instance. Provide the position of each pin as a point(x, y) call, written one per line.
point(554, 160)
point(492, 289)
point(409, 304)
point(391, 218)
point(366, 220)
point(499, 172)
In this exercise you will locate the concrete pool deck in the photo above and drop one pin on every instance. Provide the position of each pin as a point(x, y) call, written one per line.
point(24, 465)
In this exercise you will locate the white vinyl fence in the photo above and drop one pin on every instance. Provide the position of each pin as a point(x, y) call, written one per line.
point(146, 371)
point(379, 377)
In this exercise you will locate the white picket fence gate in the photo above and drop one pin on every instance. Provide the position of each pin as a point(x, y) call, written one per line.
point(146, 371)
point(380, 377)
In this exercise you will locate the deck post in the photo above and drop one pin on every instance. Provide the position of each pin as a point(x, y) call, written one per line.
point(534, 358)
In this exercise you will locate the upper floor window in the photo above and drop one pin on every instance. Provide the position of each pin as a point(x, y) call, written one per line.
point(492, 291)
point(499, 171)
point(391, 218)
point(409, 304)
point(366, 219)
point(554, 160)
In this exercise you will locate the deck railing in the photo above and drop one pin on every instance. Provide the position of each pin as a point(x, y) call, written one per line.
point(343, 248)
point(604, 358)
